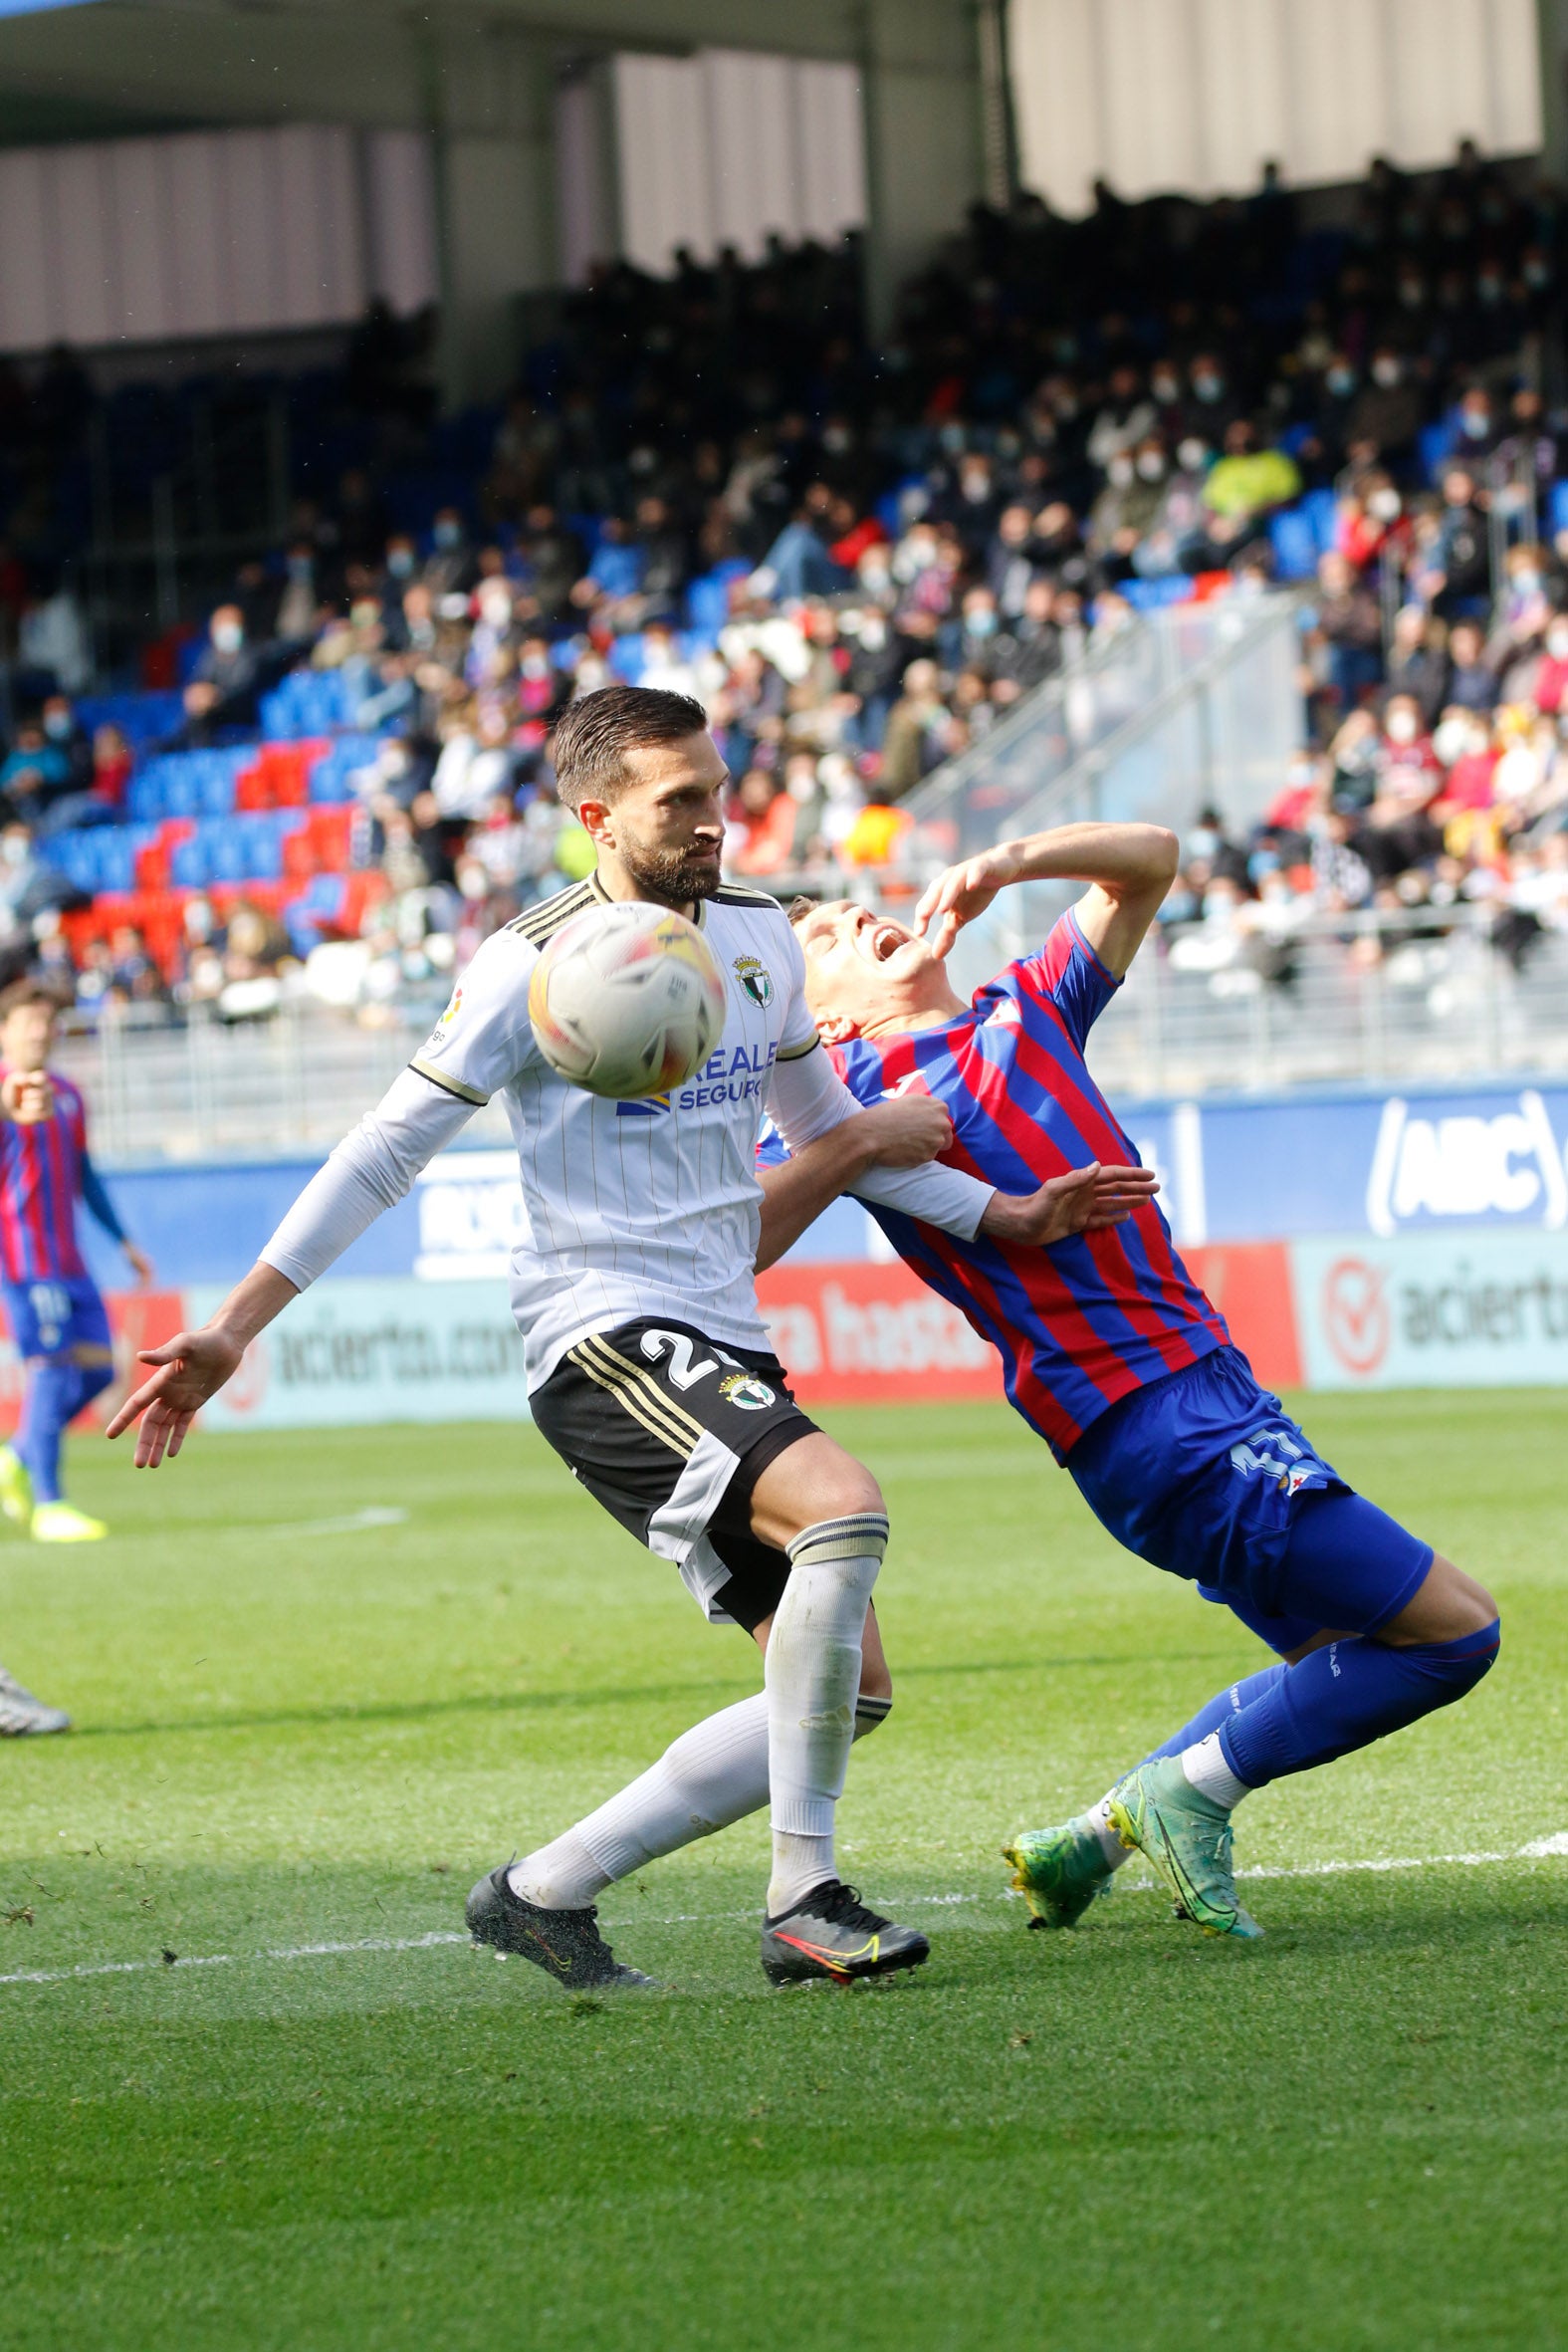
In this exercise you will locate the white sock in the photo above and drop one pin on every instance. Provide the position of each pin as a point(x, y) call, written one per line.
point(1098, 1818)
point(812, 1676)
point(712, 1775)
point(1206, 1768)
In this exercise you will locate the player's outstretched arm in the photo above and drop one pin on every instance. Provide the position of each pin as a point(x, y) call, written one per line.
point(192, 1367)
point(902, 1133)
point(1085, 1200)
point(372, 1168)
point(1130, 868)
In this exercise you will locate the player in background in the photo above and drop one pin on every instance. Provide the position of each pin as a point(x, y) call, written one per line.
point(1113, 1354)
point(57, 1315)
point(647, 1359)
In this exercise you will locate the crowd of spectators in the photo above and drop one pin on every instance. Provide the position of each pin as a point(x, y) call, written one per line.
point(861, 559)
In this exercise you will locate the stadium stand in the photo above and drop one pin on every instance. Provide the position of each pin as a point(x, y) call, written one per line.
point(860, 561)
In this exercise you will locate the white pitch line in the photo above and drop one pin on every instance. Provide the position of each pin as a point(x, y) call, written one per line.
point(1539, 1849)
point(351, 1522)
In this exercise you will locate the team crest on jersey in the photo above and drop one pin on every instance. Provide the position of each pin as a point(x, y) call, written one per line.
point(744, 1388)
point(756, 979)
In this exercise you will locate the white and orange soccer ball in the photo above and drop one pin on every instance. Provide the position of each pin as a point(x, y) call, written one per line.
point(627, 1000)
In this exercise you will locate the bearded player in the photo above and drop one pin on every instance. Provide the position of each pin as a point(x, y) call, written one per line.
point(1113, 1355)
point(646, 1356)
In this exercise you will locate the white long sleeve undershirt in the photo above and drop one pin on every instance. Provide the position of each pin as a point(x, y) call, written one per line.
point(372, 1169)
point(806, 1098)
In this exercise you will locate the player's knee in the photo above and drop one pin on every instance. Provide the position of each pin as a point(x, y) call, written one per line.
point(1450, 1607)
point(857, 1495)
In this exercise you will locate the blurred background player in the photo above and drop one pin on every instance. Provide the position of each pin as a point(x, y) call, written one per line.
point(1114, 1355)
point(58, 1317)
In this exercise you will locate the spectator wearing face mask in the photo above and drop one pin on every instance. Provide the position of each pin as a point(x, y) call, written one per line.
point(1477, 427)
point(1213, 406)
point(223, 684)
point(1339, 389)
point(1124, 417)
point(973, 642)
point(1123, 515)
point(1367, 515)
point(1387, 412)
point(450, 569)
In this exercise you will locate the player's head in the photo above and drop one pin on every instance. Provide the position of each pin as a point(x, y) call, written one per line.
point(640, 770)
point(29, 1010)
point(864, 972)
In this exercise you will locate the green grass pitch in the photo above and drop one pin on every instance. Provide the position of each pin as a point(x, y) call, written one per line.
point(295, 1735)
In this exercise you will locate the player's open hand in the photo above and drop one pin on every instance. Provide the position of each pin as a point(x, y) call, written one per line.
point(192, 1367)
point(905, 1131)
point(1085, 1200)
point(956, 896)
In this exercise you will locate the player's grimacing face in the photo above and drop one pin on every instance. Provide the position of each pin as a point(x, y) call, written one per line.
point(859, 965)
point(666, 824)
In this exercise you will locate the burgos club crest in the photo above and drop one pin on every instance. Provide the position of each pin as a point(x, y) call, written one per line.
point(756, 979)
point(744, 1389)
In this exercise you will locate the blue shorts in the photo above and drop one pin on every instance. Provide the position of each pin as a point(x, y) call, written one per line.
point(46, 1318)
point(1206, 1474)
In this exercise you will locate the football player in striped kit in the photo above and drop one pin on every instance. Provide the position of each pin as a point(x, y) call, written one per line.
point(648, 1362)
point(57, 1320)
point(1112, 1353)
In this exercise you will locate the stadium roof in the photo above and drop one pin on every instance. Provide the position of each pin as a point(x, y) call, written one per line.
point(91, 68)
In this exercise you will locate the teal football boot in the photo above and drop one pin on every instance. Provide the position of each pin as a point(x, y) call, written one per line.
point(1187, 1836)
point(1058, 1872)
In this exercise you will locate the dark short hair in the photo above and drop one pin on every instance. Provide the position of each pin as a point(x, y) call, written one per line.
point(597, 733)
point(31, 991)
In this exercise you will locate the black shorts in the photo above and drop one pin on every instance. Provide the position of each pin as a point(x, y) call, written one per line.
point(671, 1431)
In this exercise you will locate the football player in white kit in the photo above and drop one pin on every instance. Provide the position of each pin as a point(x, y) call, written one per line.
point(647, 1359)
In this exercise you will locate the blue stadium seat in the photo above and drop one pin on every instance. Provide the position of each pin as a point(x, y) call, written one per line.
point(189, 867)
point(1319, 506)
point(1433, 444)
point(1149, 595)
point(1294, 543)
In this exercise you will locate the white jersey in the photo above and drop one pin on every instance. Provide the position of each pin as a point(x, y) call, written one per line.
point(646, 1208)
point(635, 1209)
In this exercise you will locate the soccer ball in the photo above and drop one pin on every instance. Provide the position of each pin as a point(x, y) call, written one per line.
point(627, 1000)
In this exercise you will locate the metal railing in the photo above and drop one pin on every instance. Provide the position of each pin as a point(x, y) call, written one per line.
point(1191, 706)
point(1359, 999)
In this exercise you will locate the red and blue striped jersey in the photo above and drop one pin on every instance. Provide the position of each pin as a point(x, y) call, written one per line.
point(1091, 1318)
point(40, 1183)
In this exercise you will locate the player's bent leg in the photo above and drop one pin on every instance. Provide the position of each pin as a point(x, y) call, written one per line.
point(1429, 1635)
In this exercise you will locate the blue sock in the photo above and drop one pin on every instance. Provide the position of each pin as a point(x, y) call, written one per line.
point(1346, 1696)
point(52, 1389)
point(1219, 1710)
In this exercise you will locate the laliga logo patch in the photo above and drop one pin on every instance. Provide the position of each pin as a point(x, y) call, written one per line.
point(437, 1036)
point(744, 1388)
point(756, 979)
